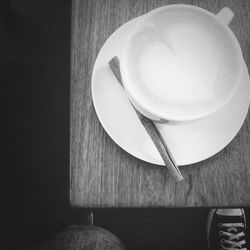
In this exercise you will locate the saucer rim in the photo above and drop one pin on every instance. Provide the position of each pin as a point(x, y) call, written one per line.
point(122, 145)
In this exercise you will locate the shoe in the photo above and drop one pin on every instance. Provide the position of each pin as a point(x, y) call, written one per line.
point(226, 229)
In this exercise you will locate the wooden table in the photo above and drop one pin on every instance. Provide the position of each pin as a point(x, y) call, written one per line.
point(104, 175)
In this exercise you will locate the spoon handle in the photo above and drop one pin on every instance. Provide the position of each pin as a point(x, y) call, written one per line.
point(151, 129)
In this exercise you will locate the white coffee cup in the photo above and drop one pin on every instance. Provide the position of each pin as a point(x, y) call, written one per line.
point(181, 63)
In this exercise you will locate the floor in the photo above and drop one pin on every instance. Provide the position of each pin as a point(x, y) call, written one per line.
point(35, 70)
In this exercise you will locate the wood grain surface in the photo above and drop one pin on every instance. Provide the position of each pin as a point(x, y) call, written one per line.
point(104, 175)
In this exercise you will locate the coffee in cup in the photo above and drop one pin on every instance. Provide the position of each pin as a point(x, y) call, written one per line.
point(181, 63)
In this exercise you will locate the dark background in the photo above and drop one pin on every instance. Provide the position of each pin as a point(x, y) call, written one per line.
point(35, 79)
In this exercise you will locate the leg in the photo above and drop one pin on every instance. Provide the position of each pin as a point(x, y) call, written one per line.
point(83, 237)
point(226, 229)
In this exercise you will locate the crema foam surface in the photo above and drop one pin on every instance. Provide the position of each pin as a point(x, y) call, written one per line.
point(181, 61)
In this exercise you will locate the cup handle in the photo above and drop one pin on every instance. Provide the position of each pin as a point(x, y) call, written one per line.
point(225, 15)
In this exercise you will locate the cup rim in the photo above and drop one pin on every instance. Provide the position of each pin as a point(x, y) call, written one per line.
point(166, 117)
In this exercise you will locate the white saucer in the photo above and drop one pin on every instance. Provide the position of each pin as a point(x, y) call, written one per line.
point(189, 143)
